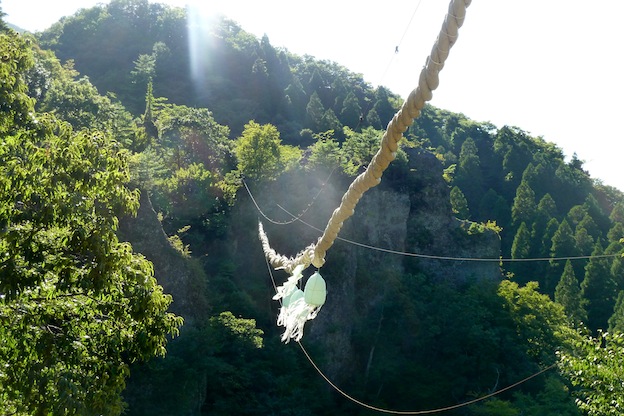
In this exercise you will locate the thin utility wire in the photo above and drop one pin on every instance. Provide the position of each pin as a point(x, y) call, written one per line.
point(398, 45)
point(451, 258)
point(400, 412)
point(272, 278)
point(309, 358)
point(390, 62)
point(409, 24)
point(297, 217)
point(419, 412)
point(419, 255)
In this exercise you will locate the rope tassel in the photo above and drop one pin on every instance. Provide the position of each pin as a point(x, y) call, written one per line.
point(299, 306)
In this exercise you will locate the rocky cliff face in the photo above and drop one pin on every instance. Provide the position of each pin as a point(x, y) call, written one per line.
point(356, 275)
point(175, 273)
point(411, 214)
point(404, 214)
point(433, 230)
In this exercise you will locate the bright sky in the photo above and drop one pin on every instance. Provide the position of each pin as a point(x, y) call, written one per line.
point(553, 68)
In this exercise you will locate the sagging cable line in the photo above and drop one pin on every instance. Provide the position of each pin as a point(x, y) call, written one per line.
point(400, 412)
point(397, 48)
point(425, 256)
point(294, 217)
point(450, 258)
point(419, 412)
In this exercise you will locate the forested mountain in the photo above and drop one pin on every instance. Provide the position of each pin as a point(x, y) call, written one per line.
point(217, 66)
point(133, 98)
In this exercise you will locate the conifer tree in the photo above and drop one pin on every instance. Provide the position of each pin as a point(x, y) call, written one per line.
point(563, 245)
point(617, 264)
point(530, 174)
point(316, 82)
point(339, 89)
point(459, 205)
point(329, 121)
point(568, 294)
point(584, 241)
point(523, 209)
point(547, 236)
point(382, 106)
point(617, 213)
point(595, 211)
point(616, 322)
point(616, 233)
point(542, 231)
point(373, 119)
point(615, 237)
point(511, 145)
point(588, 223)
point(575, 215)
point(538, 177)
point(148, 116)
point(598, 290)
point(547, 207)
point(351, 110)
point(295, 99)
point(314, 112)
point(469, 176)
point(521, 249)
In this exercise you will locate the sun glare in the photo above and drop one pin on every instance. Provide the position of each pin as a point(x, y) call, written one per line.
point(202, 18)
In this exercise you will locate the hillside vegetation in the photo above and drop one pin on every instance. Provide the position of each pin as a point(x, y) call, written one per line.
point(125, 132)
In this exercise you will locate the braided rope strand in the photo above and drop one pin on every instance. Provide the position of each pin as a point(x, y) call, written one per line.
point(428, 81)
point(281, 262)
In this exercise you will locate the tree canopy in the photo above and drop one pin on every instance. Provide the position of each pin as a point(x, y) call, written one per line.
point(128, 101)
point(77, 306)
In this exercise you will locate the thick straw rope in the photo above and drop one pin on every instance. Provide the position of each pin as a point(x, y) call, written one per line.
point(279, 261)
point(428, 81)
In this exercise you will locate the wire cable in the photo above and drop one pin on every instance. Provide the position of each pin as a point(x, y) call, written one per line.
point(409, 24)
point(419, 412)
point(398, 45)
point(390, 63)
point(401, 412)
point(418, 255)
point(294, 218)
point(451, 258)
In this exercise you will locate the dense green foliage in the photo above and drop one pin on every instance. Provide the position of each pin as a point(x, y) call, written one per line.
point(597, 369)
point(260, 153)
point(77, 306)
point(213, 63)
point(140, 100)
